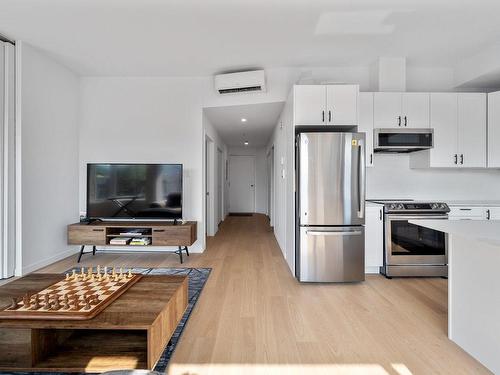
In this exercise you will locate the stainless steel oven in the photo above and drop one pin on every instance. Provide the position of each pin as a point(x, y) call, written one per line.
point(411, 249)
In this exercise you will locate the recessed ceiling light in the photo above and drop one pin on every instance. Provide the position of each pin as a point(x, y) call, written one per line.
point(243, 120)
point(246, 143)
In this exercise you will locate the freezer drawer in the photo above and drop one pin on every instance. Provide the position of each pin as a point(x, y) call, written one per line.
point(331, 254)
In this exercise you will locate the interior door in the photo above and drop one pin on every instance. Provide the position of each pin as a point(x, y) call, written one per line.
point(387, 110)
point(241, 184)
point(415, 109)
point(331, 182)
point(472, 129)
point(342, 104)
point(444, 114)
point(220, 186)
point(310, 105)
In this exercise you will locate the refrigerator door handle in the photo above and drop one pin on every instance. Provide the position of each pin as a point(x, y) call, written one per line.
point(361, 179)
point(333, 233)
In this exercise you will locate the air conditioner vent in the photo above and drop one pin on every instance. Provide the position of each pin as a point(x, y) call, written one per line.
point(240, 89)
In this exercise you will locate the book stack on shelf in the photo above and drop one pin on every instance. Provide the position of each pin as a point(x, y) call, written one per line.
point(120, 241)
point(140, 241)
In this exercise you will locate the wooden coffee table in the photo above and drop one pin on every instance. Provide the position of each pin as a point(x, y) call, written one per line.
point(131, 333)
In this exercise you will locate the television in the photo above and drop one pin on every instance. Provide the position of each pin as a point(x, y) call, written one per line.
point(134, 191)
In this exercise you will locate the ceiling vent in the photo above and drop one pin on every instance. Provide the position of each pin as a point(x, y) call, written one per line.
point(240, 82)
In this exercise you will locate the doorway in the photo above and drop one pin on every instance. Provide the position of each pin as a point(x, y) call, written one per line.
point(220, 186)
point(241, 184)
point(209, 217)
point(270, 185)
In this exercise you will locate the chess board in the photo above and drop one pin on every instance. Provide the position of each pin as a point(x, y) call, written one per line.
point(69, 299)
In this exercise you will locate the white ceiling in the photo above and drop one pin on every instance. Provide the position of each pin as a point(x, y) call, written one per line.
point(202, 37)
point(261, 120)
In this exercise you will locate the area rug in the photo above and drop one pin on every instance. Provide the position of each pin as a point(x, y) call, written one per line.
point(197, 279)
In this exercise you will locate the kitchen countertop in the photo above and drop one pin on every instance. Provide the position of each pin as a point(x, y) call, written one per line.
point(478, 203)
point(481, 230)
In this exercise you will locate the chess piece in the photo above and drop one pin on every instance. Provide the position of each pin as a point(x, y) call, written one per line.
point(99, 277)
point(73, 275)
point(56, 305)
point(84, 277)
point(36, 303)
point(92, 277)
point(86, 300)
point(27, 301)
point(98, 269)
point(115, 278)
point(46, 302)
point(67, 276)
point(114, 272)
point(129, 273)
point(13, 304)
point(89, 272)
point(82, 271)
point(65, 302)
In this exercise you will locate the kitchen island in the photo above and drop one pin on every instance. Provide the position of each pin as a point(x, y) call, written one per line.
point(473, 286)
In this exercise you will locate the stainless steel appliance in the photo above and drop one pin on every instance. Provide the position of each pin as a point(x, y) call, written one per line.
point(330, 207)
point(403, 140)
point(410, 249)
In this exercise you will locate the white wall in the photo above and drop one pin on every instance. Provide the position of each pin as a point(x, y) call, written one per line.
point(49, 109)
point(392, 178)
point(260, 174)
point(146, 120)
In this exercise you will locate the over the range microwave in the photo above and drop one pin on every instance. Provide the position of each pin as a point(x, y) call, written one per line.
point(403, 140)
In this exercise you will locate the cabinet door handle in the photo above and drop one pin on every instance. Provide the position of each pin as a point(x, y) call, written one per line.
point(371, 158)
point(323, 116)
point(462, 159)
point(329, 116)
point(488, 214)
point(456, 159)
point(399, 120)
point(406, 121)
point(158, 230)
point(98, 230)
point(380, 213)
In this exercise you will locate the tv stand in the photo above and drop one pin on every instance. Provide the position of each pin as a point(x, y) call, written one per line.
point(156, 233)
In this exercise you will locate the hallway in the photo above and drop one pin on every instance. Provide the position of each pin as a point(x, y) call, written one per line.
point(253, 317)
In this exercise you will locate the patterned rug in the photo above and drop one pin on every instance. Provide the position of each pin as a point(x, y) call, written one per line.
point(197, 279)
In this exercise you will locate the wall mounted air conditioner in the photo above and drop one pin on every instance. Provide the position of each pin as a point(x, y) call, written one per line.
point(252, 81)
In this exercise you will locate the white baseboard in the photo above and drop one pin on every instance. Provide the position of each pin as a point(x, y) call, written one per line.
point(48, 261)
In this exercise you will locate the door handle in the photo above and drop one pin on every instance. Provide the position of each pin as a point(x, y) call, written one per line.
point(361, 180)
point(323, 116)
point(328, 233)
point(399, 120)
point(329, 116)
point(406, 121)
point(456, 159)
point(462, 159)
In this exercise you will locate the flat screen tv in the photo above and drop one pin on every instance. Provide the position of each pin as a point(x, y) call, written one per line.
point(134, 191)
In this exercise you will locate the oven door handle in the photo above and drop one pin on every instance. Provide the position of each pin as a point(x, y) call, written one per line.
point(333, 233)
point(416, 217)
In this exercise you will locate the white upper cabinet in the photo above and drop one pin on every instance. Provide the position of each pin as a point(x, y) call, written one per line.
point(310, 105)
point(444, 121)
point(342, 104)
point(399, 110)
point(459, 123)
point(326, 105)
point(415, 109)
point(494, 130)
point(472, 130)
point(366, 123)
point(387, 110)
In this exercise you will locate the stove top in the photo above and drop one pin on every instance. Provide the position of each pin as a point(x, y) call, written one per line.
point(410, 206)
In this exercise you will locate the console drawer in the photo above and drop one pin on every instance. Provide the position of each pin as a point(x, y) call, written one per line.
point(175, 235)
point(82, 235)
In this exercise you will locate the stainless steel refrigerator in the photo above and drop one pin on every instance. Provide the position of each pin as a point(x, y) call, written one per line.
point(330, 207)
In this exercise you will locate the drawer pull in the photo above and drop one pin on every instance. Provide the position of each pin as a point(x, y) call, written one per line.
point(159, 230)
point(98, 230)
point(466, 209)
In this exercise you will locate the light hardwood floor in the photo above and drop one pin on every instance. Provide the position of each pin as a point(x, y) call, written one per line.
point(254, 318)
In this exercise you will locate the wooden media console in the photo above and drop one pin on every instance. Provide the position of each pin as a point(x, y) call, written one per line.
point(159, 233)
